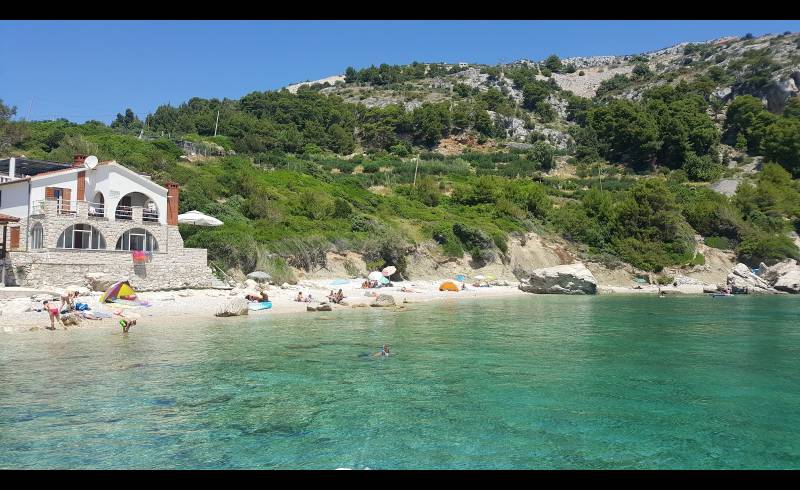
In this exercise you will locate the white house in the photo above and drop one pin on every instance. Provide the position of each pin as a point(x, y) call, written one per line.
point(78, 219)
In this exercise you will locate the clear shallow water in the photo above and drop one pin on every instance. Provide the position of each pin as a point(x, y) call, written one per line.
point(532, 382)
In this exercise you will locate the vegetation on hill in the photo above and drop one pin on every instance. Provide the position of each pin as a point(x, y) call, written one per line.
point(301, 174)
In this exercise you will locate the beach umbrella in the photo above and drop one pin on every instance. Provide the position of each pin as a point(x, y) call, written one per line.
point(460, 277)
point(384, 280)
point(375, 275)
point(388, 271)
point(198, 218)
point(480, 277)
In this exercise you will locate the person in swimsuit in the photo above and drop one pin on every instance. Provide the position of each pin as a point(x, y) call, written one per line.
point(126, 324)
point(54, 313)
point(383, 353)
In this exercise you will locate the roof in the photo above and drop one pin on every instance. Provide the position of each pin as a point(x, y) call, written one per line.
point(28, 167)
point(4, 218)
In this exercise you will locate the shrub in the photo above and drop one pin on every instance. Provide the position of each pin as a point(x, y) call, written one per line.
point(451, 246)
point(720, 242)
point(307, 253)
point(276, 267)
point(351, 268)
point(664, 280)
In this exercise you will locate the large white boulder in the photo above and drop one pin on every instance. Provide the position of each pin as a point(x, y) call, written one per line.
point(234, 307)
point(384, 300)
point(561, 279)
point(741, 280)
point(100, 281)
point(783, 276)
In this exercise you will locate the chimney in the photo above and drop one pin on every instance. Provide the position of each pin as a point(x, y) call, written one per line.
point(78, 159)
point(12, 167)
point(173, 198)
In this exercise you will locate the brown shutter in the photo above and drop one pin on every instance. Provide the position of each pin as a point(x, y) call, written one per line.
point(81, 186)
point(49, 193)
point(14, 237)
point(67, 193)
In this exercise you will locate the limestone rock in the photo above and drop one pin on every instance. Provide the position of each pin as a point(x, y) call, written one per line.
point(17, 306)
point(259, 276)
point(235, 307)
point(100, 281)
point(324, 307)
point(384, 300)
point(741, 280)
point(70, 320)
point(783, 276)
point(561, 279)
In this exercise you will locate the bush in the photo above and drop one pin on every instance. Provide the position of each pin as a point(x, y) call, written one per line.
point(307, 253)
point(351, 268)
point(769, 249)
point(719, 242)
point(702, 168)
point(235, 248)
point(665, 280)
point(276, 267)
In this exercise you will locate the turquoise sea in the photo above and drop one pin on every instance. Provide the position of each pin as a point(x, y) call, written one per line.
point(525, 382)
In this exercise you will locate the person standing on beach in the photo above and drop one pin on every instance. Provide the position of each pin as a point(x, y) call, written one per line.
point(126, 324)
point(54, 313)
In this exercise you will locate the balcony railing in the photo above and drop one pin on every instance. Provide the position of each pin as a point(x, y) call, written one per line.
point(88, 209)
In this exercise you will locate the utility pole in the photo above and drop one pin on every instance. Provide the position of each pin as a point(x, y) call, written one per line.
point(415, 171)
point(28, 118)
point(216, 123)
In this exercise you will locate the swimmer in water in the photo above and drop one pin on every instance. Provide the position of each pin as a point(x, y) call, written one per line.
point(383, 353)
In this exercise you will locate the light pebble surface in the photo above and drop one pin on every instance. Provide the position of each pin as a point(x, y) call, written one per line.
point(185, 306)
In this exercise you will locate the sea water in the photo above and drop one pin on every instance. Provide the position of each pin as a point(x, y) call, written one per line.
point(524, 382)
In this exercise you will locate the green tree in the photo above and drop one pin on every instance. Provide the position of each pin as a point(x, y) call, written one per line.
point(782, 144)
point(553, 63)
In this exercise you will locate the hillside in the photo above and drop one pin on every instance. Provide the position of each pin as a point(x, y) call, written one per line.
point(615, 160)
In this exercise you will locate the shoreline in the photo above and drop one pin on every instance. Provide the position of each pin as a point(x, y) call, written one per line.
point(192, 305)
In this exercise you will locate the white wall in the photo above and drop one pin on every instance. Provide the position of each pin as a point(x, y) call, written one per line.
point(15, 199)
point(115, 181)
point(65, 180)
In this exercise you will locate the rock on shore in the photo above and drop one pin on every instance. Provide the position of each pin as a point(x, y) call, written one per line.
point(561, 279)
point(384, 300)
point(741, 280)
point(235, 307)
point(783, 276)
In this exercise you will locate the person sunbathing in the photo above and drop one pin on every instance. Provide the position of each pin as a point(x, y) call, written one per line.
point(300, 298)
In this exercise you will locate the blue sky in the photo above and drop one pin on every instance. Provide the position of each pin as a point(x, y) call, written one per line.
point(85, 70)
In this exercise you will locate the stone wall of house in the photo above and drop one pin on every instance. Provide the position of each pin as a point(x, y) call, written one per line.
point(171, 267)
point(185, 268)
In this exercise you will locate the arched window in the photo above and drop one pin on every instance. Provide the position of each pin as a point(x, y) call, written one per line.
point(82, 236)
point(37, 237)
point(137, 239)
point(97, 207)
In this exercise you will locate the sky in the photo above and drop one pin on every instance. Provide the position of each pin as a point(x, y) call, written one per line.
point(83, 70)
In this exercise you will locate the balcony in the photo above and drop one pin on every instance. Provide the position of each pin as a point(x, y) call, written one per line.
point(87, 210)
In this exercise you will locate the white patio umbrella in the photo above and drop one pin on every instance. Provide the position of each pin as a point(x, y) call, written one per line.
point(198, 218)
point(388, 271)
point(375, 275)
point(480, 277)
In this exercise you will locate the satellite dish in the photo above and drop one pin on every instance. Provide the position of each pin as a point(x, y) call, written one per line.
point(90, 162)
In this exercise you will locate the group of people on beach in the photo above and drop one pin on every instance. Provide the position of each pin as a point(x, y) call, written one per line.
point(336, 297)
point(69, 304)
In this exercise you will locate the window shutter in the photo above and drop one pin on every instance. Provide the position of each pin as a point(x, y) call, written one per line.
point(49, 193)
point(67, 193)
point(14, 237)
